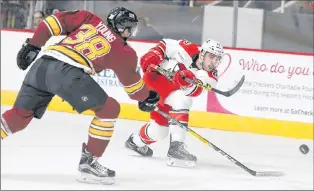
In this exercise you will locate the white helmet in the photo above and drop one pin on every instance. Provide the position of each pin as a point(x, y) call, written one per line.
point(213, 47)
point(214, 58)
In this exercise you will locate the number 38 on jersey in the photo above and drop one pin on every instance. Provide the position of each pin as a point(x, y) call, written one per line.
point(88, 43)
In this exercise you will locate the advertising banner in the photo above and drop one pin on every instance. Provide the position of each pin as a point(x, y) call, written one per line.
point(277, 86)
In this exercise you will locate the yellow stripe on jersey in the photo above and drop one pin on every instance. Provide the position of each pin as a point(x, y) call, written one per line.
point(54, 25)
point(103, 124)
point(132, 89)
point(72, 54)
point(3, 134)
point(101, 133)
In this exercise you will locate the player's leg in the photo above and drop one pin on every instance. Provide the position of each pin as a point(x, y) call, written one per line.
point(177, 153)
point(83, 93)
point(32, 101)
point(157, 128)
point(99, 134)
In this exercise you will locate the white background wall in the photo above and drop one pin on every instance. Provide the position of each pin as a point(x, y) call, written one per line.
point(277, 86)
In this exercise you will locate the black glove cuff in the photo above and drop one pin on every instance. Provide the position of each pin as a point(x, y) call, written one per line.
point(32, 47)
point(152, 94)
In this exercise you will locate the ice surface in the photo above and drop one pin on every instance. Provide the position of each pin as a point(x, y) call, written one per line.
point(46, 154)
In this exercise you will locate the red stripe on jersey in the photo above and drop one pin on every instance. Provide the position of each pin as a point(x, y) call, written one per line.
point(189, 47)
point(158, 53)
point(196, 92)
point(181, 66)
point(143, 135)
point(213, 75)
point(181, 117)
point(162, 46)
point(160, 50)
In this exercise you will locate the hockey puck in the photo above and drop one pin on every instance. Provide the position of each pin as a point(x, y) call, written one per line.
point(304, 149)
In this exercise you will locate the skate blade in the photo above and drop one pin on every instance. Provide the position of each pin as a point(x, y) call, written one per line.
point(180, 163)
point(130, 148)
point(90, 179)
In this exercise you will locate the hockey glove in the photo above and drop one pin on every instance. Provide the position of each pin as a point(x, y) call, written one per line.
point(153, 57)
point(150, 103)
point(26, 55)
point(179, 76)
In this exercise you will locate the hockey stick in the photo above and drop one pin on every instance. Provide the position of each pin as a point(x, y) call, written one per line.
point(208, 87)
point(230, 158)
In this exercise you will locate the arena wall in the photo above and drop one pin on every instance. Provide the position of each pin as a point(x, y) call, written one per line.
point(276, 98)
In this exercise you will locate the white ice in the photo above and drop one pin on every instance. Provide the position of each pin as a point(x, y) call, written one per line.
point(46, 154)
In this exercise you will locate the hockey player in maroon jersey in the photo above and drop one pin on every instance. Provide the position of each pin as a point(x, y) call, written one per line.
point(64, 69)
point(184, 59)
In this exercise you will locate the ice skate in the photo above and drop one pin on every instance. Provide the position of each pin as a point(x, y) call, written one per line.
point(144, 151)
point(92, 172)
point(178, 156)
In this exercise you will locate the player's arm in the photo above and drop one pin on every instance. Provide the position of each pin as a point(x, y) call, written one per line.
point(201, 75)
point(165, 48)
point(179, 50)
point(133, 84)
point(60, 23)
point(154, 56)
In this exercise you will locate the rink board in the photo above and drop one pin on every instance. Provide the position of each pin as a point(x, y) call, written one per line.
point(255, 109)
point(198, 119)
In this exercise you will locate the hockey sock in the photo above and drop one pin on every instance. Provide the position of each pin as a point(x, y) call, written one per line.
point(99, 134)
point(150, 133)
point(5, 131)
point(143, 135)
point(102, 126)
point(178, 133)
point(15, 120)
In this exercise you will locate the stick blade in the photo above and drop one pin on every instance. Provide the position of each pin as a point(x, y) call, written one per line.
point(232, 91)
point(237, 87)
point(270, 173)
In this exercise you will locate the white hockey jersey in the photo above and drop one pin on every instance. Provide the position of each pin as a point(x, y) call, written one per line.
point(179, 55)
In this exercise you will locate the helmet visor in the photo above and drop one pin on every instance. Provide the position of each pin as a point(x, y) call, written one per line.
point(130, 25)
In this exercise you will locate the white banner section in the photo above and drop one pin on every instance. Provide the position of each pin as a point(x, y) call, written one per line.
point(277, 85)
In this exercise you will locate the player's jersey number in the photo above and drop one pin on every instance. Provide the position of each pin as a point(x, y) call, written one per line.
point(88, 43)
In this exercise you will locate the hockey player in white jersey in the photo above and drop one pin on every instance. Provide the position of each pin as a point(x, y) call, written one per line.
point(184, 59)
